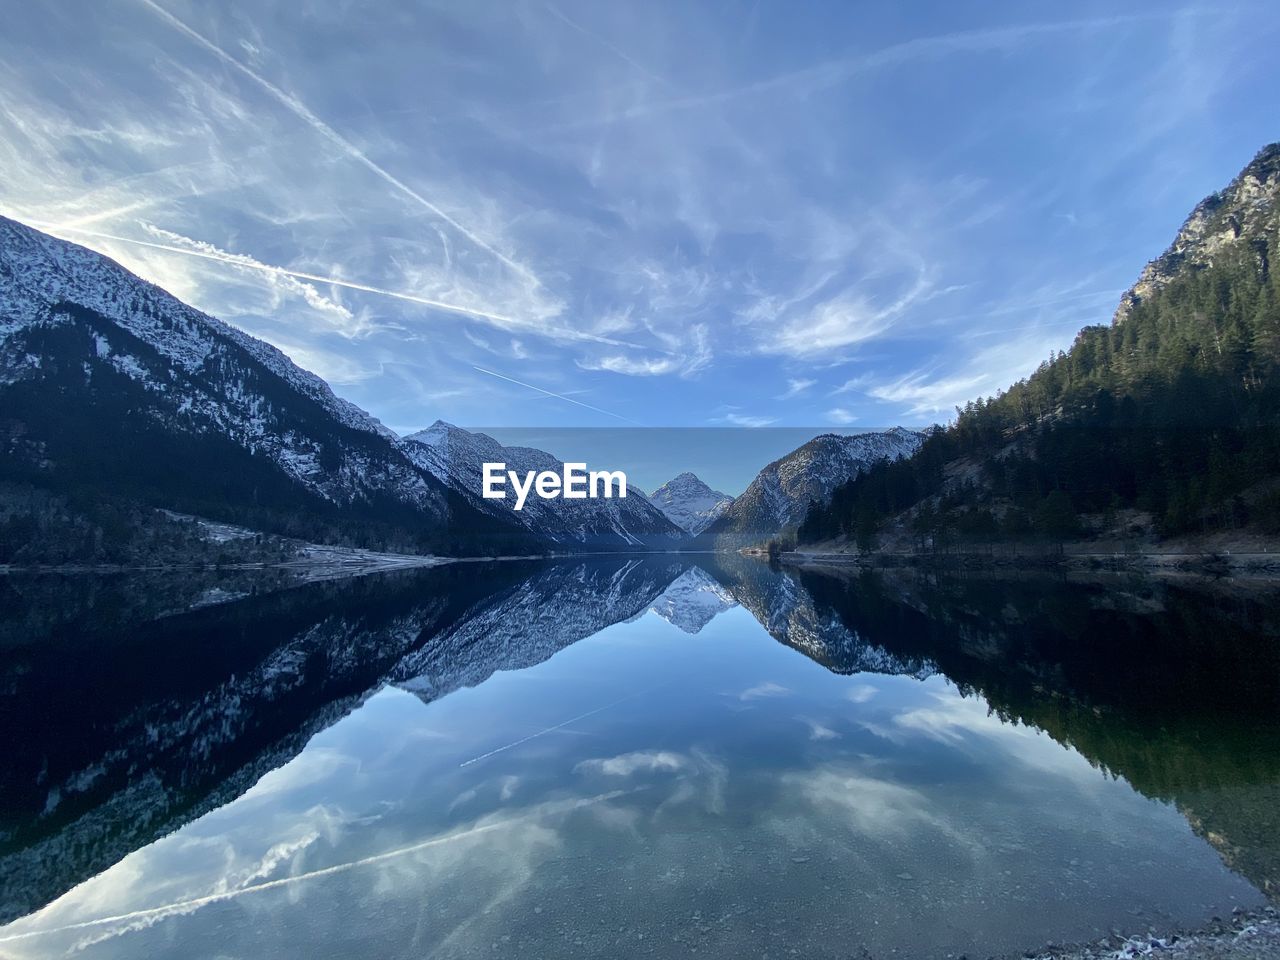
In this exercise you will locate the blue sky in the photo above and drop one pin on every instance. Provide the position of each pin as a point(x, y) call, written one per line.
point(668, 214)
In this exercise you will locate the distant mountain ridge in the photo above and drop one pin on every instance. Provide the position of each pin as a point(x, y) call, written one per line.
point(689, 503)
point(779, 496)
point(116, 398)
point(456, 456)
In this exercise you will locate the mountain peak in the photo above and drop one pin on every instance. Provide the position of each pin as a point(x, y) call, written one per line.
point(779, 496)
point(1241, 213)
point(439, 432)
point(689, 503)
point(456, 457)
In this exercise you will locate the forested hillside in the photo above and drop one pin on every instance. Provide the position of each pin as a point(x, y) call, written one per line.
point(1172, 410)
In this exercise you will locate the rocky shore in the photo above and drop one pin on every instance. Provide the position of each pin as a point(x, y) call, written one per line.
point(1245, 935)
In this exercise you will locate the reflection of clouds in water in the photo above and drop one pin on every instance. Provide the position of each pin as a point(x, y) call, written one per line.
point(506, 848)
point(309, 767)
point(507, 787)
point(818, 731)
point(707, 786)
point(877, 809)
point(956, 720)
point(700, 776)
point(285, 851)
point(766, 689)
point(279, 854)
point(503, 787)
point(861, 692)
point(626, 764)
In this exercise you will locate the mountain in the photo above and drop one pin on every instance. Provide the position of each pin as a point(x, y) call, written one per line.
point(779, 496)
point(693, 600)
point(167, 717)
point(1162, 426)
point(114, 392)
point(455, 457)
point(689, 503)
point(556, 606)
point(1242, 214)
point(793, 616)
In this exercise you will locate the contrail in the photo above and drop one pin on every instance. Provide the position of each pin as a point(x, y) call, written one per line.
point(197, 902)
point(300, 110)
point(551, 729)
point(558, 396)
point(828, 73)
point(219, 257)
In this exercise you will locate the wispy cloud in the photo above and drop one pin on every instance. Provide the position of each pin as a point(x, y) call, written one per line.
point(195, 248)
point(303, 113)
point(810, 80)
point(689, 214)
point(921, 393)
point(632, 367)
point(764, 689)
point(744, 420)
point(830, 326)
point(795, 388)
point(687, 354)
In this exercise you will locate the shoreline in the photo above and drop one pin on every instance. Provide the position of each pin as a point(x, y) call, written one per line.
point(1149, 562)
point(1244, 935)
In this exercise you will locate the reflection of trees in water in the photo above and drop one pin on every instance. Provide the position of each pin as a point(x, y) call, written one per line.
point(123, 721)
point(1175, 688)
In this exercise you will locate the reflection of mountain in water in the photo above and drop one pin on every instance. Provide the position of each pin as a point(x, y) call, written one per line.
point(126, 723)
point(1175, 688)
point(122, 724)
point(693, 600)
point(556, 606)
point(120, 731)
point(788, 612)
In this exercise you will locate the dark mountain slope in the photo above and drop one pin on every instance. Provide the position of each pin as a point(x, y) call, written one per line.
point(1172, 411)
point(778, 497)
point(115, 394)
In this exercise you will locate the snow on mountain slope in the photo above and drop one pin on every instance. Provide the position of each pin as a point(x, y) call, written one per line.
point(693, 600)
point(791, 615)
point(559, 605)
point(781, 493)
point(111, 381)
point(689, 503)
point(38, 271)
point(456, 457)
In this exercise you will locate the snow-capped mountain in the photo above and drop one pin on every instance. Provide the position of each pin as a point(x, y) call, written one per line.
point(456, 457)
point(108, 381)
point(779, 496)
point(791, 615)
point(559, 605)
point(693, 600)
point(689, 503)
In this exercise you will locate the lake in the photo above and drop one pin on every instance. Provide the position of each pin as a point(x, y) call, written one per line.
point(660, 756)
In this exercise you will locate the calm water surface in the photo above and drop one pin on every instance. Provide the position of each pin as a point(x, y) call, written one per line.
point(631, 758)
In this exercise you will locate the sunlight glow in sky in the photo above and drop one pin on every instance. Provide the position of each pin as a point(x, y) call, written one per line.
point(733, 214)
